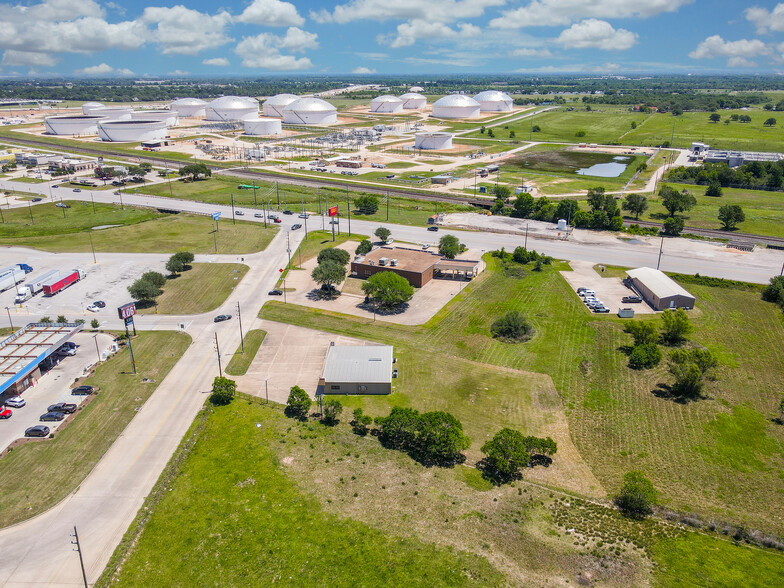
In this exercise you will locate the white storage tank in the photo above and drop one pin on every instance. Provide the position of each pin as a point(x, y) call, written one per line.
point(436, 140)
point(112, 112)
point(228, 108)
point(168, 116)
point(494, 101)
point(72, 124)
point(561, 224)
point(263, 126)
point(132, 130)
point(189, 107)
point(416, 89)
point(274, 106)
point(89, 106)
point(386, 104)
point(413, 101)
point(456, 106)
point(310, 111)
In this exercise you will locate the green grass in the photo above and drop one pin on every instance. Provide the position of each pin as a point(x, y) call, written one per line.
point(141, 230)
point(37, 475)
point(202, 288)
point(257, 526)
point(29, 180)
point(400, 165)
point(240, 361)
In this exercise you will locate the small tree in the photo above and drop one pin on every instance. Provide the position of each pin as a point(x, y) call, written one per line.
point(366, 204)
point(365, 246)
point(774, 291)
point(174, 265)
point(512, 327)
point(689, 368)
point(505, 454)
point(195, 171)
point(332, 410)
point(536, 129)
point(143, 290)
point(645, 356)
point(440, 437)
point(511, 134)
point(637, 496)
point(635, 203)
point(157, 279)
point(490, 133)
point(298, 403)
point(329, 273)
point(389, 289)
point(449, 246)
point(333, 254)
point(770, 122)
point(642, 332)
point(634, 124)
point(730, 215)
point(45, 320)
point(524, 205)
point(503, 192)
point(95, 324)
point(399, 428)
point(186, 257)
point(715, 117)
point(61, 319)
point(713, 189)
point(382, 233)
point(673, 226)
point(361, 422)
point(675, 326)
point(223, 391)
point(675, 201)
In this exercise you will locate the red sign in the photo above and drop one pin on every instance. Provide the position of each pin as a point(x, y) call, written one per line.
point(333, 211)
point(126, 311)
point(281, 270)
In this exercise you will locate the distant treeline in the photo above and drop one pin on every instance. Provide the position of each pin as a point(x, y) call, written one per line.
point(760, 175)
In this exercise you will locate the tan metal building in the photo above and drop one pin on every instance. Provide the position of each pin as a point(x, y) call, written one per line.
point(357, 369)
point(659, 290)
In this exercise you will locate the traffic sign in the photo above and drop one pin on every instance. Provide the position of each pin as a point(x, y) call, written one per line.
point(216, 216)
point(333, 211)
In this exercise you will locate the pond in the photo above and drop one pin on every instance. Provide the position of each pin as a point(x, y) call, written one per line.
point(612, 169)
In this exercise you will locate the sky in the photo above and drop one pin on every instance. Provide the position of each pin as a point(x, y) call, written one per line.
point(138, 39)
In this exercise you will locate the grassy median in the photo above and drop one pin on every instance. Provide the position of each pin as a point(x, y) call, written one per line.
point(240, 361)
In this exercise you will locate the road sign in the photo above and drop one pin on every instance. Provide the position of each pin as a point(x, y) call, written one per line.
point(333, 211)
point(129, 321)
point(216, 216)
point(126, 310)
point(281, 270)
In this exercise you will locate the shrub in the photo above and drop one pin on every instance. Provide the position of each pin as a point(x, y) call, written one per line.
point(774, 291)
point(645, 356)
point(673, 226)
point(366, 204)
point(223, 391)
point(332, 410)
point(637, 496)
point(689, 367)
point(339, 256)
point(298, 403)
point(361, 422)
point(512, 327)
point(365, 246)
point(675, 326)
point(95, 324)
point(642, 332)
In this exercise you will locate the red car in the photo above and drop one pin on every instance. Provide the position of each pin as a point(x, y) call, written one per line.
point(277, 220)
point(5, 413)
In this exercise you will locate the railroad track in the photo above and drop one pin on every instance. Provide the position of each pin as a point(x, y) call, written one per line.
point(731, 236)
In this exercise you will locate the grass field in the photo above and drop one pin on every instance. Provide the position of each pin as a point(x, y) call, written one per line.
point(718, 456)
point(141, 230)
point(202, 288)
point(37, 475)
point(240, 361)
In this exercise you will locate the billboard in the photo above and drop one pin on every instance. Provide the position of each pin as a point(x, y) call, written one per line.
point(126, 310)
point(333, 211)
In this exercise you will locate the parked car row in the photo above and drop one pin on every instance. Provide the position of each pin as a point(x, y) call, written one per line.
point(591, 301)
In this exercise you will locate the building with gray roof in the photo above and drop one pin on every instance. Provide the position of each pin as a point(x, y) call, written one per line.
point(659, 290)
point(357, 369)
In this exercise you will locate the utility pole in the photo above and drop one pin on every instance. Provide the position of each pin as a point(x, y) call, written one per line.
point(661, 247)
point(8, 310)
point(264, 212)
point(79, 551)
point(254, 193)
point(30, 206)
point(288, 250)
point(233, 217)
point(387, 204)
point(130, 349)
point(97, 351)
point(266, 388)
point(348, 209)
point(90, 233)
point(239, 318)
point(526, 237)
point(277, 194)
point(121, 202)
point(217, 349)
point(92, 198)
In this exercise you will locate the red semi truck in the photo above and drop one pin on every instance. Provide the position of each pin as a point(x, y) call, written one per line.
point(61, 282)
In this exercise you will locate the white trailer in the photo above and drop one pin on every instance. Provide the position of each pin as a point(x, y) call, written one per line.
point(33, 287)
point(11, 277)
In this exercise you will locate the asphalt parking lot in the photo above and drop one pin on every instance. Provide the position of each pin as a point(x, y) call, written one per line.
point(54, 386)
point(608, 290)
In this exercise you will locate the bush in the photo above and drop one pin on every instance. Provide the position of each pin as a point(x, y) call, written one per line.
point(366, 204)
point(332, 410)
point(388, 289)
point(361, 422)
point(690, 367)
point(382, 233)
point(95, 324)
point(339, 256)
point(645, 356)
point(298, 403)
point(512, 327)
point(673, 226)
point(675, 326)
point(713, 189)
point(637, 496)
point(432, 437)
point(774, 291)
point(223, 391)
point(642, 332)
point(61, 319)
point(365, 246)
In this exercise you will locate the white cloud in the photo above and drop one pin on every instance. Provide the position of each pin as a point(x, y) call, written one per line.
point(84, 35)
point(563, 12)
point(184, 31)
point(217, 61)
point(103, 69)
point(271, 13)
point(529, 52)
point(178, 73)
point(381, 10)
point(738, 53)
point(13, 58)
point(597, 34)
point(409, 32)
point(363, 70)
point(766, 19)
point(264, 50)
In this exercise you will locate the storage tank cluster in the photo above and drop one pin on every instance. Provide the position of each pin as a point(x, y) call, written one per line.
point(274, 106)
point(77, 124)
point(310, 111)
point(413, 101)
point(168, 116)
point(262, 126)
point(494, 101)
point(435, 140)
point(386, 104)
point(189, 107)
point(132, 130)
point(456, 106)
point(230, 108)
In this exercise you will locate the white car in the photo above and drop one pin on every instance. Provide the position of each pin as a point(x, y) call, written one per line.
point(93, 308)
point(15, 402)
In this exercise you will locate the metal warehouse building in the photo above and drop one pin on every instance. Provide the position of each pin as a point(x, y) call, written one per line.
point(357, 369)
point(659, 290)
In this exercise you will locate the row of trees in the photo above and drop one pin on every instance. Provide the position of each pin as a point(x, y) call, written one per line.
point(331, 269)
point(755, 174)
point(148, 287)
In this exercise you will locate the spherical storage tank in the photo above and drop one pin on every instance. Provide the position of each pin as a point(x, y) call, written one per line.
point(168, 116)
point(72, 125)
point(132, 130)
point(262, 126)
point(310, 111)
point(189, 107)
point(232, 108)
point(413, 101)
point(88, 106)
point(435, 140)
point(416, 89)
point(494, 101)
point(456, 106)
point(274, 106)
point(386, 104)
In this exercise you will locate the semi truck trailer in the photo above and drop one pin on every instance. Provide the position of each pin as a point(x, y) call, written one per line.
point(29, 289)
point(61, 282)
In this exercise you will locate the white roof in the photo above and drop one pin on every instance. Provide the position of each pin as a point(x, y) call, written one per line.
point(456, 100)
point(310, 105)
point(363, 364)
point(658, 282)
point(386, 98)
point(492, 96)
point(93, 104)
point(433, 134)
point(281, 99)
point(189, 102)
point(416, 89)
point(232, 103)
point(411, 96)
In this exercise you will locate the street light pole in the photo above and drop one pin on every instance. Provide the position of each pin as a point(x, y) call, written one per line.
point(8, 310)
point(90, 233)
point(79, 551)
point(97, 351)
point(217, 349)
point(239, 318)
point(661, 247)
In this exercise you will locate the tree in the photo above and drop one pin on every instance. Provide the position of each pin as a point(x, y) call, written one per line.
point(635, 203)
point(713, 189)
point(61, 319)
point(512, 327)
point(383, 234)
point(637, 496)
point(634, 124)
point(503, 192)
point(730, 215)
point(675, 326)
point(186, 257)
point(45, 320)
point(642, 332)
point(95, 324)
point(645, 356)
point(770, 122)
point(440, 437)
point(174, 266)
point(143, 290)
point(524, 205)
point(595, 199)
point(329, 273)
point(505, 455)
point(195, 171)
point(449, 246)
point(155, 278)
point(339, 256)
point(744, 118)
point(490, 133)
point(675, 201)
point(365, 246)
point(673, 225)
point(689, 368)
point(715, 117)
point(223, 391)
point(774, 291)
point(332, 410)
point(566, 209)
point(498, 207)
point(536, 129)
point(366, 204)
point(399, 428)
point(298, 403)
point(389, 289)
point(580, 133)
point(361, 422)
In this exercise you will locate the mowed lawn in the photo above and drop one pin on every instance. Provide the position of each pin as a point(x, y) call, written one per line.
point(718, 456)
point(38, 474)
point(251, 524)
point(241, 360)
point(202, 288)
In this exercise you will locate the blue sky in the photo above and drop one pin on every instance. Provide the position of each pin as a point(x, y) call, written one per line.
point(259, 37)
